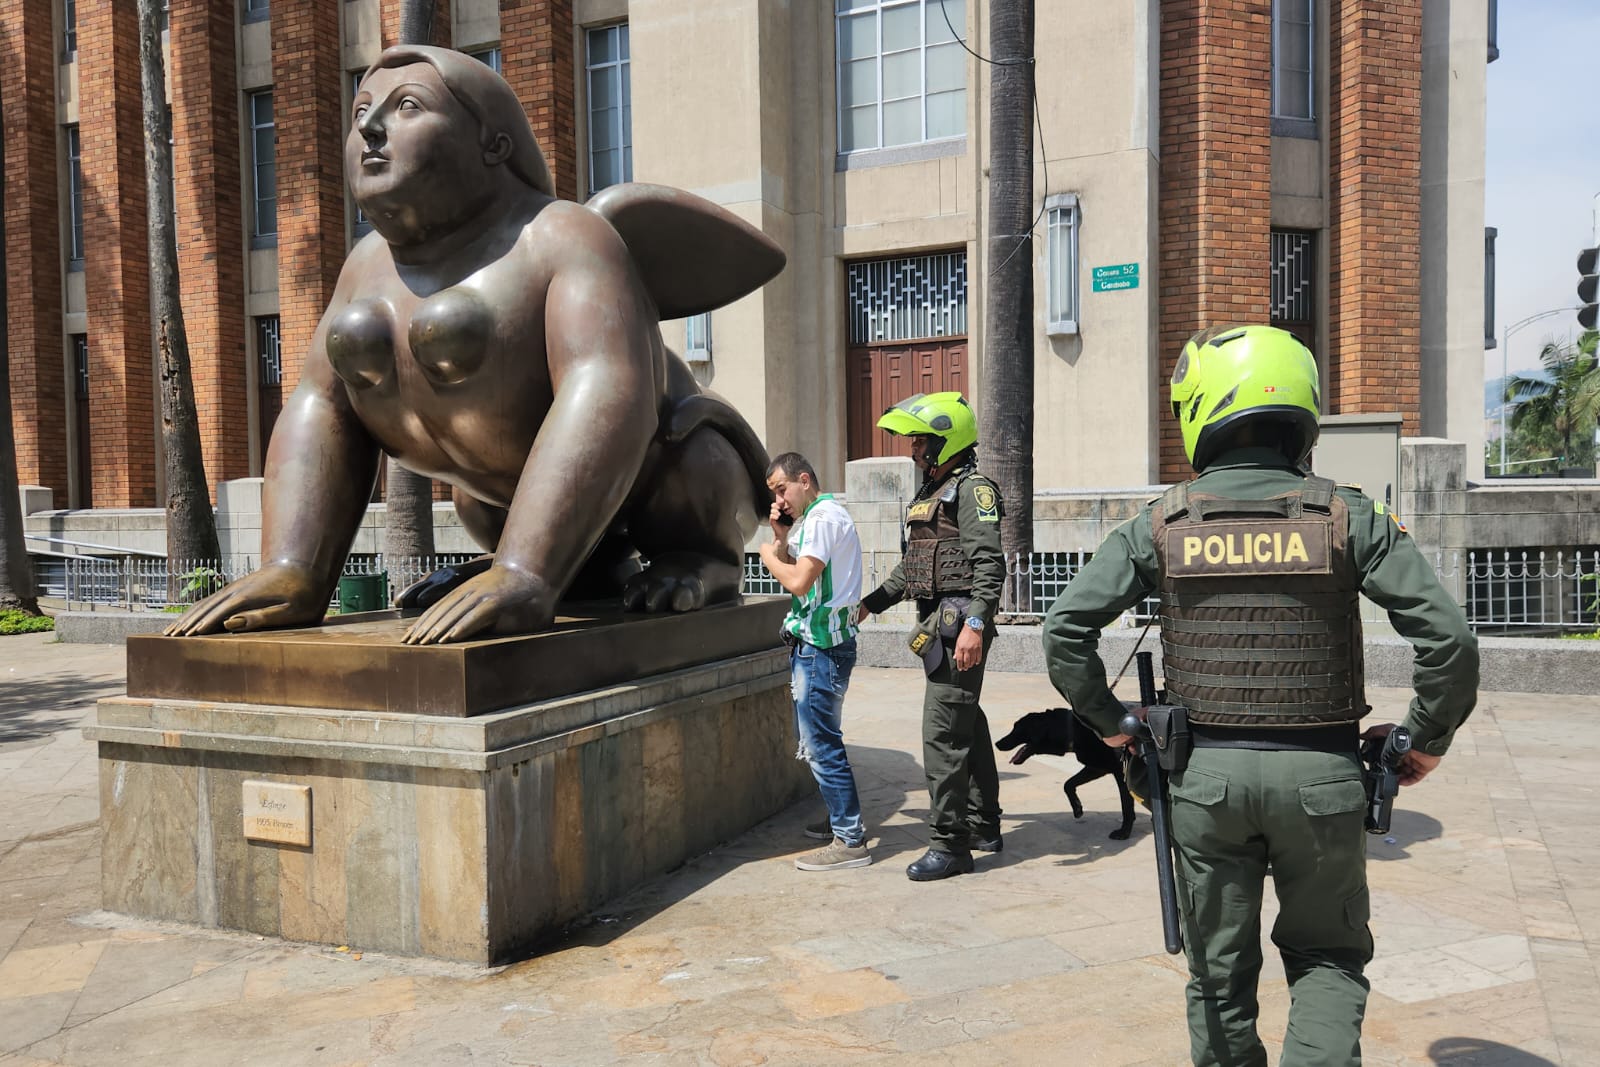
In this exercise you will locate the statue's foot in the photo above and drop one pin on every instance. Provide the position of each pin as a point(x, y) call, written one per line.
point(680, 581)
point(427, 591)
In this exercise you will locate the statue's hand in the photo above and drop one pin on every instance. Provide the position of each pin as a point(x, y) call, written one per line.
point(501, 600)
point(279, 594)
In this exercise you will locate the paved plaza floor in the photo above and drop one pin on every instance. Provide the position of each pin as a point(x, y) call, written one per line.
point(1486, 910)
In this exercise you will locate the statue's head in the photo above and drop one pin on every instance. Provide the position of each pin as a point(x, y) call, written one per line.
point(431, 130)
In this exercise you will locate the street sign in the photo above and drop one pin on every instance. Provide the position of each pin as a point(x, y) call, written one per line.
point(1117, 276)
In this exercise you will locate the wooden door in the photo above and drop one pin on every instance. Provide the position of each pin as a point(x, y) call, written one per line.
point(880, 375)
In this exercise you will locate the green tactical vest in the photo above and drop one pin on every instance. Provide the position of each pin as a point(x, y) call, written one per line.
point(1260, 619)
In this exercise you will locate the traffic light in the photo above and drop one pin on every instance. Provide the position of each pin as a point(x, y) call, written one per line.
point(1588, 287)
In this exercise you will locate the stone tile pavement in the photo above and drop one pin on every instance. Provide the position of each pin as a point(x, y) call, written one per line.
point(1486, 908)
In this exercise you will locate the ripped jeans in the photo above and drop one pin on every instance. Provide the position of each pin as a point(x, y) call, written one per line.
point(818, 680)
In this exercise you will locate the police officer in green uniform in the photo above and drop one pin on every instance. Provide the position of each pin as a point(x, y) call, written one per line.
point(954, 569)
point(1259, 566)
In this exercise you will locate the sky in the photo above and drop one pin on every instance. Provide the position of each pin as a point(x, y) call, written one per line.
point(1542, 168)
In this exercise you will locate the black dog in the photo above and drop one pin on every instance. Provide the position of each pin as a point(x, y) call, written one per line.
point(1057, 732)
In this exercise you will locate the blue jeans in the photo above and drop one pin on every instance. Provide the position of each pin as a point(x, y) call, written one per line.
point(818, 679)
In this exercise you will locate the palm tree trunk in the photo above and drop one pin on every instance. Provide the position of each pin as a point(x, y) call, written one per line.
point(1007, 422)
point(16, 575)
point(191, 525)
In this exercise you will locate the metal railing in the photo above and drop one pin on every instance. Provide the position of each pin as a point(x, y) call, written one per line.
point(1507, 591)
point(144, 583)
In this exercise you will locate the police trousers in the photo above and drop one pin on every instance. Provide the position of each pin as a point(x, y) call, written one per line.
point(1236, 815)
point(957, 754)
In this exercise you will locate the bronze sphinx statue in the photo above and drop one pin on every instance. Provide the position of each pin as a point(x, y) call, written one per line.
point(495, 338)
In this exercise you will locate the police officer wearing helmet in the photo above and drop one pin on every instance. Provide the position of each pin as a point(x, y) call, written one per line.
point(954, 569)
point(1259, 566)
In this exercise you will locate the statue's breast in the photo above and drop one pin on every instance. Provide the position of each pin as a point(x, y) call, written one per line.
point(360, 343)
point(450, 334)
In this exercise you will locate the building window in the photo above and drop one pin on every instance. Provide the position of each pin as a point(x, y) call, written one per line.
point(1294, 90)
point(80, 366)
point(75, 196)
point(360, 225)
point(902, 73)
point(697, 338)
point(254, 10)
point(269, 349)
point(264, 166)
point(1061, 249)
point(69, 31)
point(907, 299)
point(489, 57)
point(1489, 234)
point(1294, 292)
point(610, 107)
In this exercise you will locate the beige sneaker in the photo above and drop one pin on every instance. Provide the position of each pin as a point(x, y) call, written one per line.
point(834, 857)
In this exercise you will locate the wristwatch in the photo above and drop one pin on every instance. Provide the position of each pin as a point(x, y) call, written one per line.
point(974, 623)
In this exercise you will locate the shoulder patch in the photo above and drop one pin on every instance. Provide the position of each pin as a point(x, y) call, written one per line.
point(1379, 507)
point(984, 495)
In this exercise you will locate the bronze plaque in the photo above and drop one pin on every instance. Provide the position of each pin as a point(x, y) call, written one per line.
point(277, 811)
point(358, 663)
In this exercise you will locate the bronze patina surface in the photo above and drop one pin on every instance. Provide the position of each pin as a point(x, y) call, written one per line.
point(361, 663)
point(493, 337)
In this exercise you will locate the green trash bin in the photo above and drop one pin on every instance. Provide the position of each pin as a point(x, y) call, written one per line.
point(363, 592)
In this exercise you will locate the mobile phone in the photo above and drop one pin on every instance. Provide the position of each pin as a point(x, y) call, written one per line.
point(785, 519)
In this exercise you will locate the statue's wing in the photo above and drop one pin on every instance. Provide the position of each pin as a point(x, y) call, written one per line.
point(692, 254)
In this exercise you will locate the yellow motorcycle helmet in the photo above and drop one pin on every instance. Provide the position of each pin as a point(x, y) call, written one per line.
point(1229, 376)
point(946, 416)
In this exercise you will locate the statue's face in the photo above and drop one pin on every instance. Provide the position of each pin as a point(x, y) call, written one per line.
point(412, 147)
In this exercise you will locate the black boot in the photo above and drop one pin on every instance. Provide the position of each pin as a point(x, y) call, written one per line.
point(987, 842)
point(935, 865)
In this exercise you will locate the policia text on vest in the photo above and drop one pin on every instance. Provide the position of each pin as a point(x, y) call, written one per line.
point(1243, 548)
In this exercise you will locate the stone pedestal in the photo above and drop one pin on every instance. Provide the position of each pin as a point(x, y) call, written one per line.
point(463, 836)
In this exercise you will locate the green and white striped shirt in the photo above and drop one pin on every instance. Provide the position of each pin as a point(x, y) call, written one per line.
point(822, 616)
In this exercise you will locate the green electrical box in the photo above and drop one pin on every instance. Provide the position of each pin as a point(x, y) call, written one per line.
point(363, 592)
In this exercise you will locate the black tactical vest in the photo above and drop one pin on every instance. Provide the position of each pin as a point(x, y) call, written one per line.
point(934, 564)
point(1260, 619)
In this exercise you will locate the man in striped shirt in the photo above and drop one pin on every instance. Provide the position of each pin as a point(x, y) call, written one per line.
point(816, 555)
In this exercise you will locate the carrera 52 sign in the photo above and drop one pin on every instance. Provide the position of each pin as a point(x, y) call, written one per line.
point(1117, 276)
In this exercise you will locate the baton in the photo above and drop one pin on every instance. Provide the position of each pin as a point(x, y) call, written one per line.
point(1144, 742)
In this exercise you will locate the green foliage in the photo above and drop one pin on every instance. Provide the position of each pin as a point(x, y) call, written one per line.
point(197, 584)
point(1592, 583)
point(1552, 414)
point(15, 621)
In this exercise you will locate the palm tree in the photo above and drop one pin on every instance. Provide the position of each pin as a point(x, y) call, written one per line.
point(1558, 408)
point(191, 524)
point(1007, 421)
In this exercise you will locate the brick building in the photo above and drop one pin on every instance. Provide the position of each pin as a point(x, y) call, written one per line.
point(1314, 163)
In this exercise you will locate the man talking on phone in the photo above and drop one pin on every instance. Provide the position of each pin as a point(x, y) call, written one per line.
point(815, 554)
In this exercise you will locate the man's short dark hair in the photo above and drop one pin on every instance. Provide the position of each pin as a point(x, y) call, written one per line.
point(793, 465)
